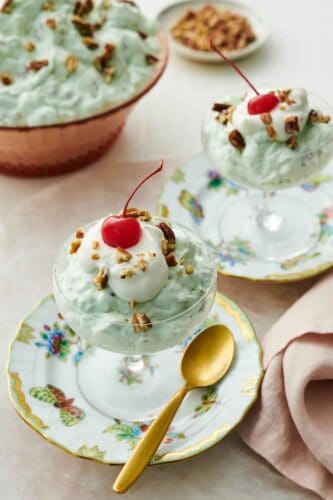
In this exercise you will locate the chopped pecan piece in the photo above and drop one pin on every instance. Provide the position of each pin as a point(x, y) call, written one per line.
point(30, 47)
point(143, 265)
point(324, 119)
point(6, 79)
point(171, 260)
point(126, 273)
point(71, 64)
point(82, 26)
point(48, 5)
point(165, 249)
point(83, 8)
point(95, 245)
point(283, 96)
point(236, 139)
point(169, 235)
point(74, 246)
point(108, 74)
point(313, 116)
point(283, 107)
point(292, 142)
point(136, 213)
point(266, 118)
point(79, 233)
point(122, 255)
point(141, 322)
point(95, 256)
point(90, 43)
point(37, 65)
point(102, 61)
point(151, 59)
point(291, 124)
point(7, 7)
point(51, 23)
point(142, 34)
point(219, 107)
point(189, 269)
point(101, 279)
point(271, 131)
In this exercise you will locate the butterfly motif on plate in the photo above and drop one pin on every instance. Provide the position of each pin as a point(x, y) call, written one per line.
point(69, 414)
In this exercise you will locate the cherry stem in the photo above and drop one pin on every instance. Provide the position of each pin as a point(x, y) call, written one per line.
point(232, 64)
point(159, 169)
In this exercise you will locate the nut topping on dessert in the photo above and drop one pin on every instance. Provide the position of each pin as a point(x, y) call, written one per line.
point(79, 233)
point(291, 124)
point(101, 279)
point(75, 245)
point(37, 65)
point(30, 47)
point(271, 131)
point(71, 64)
point(189, 269)
point(141, 322)
point(236, 139)
point(230, 30)
point(51, 23)
point(292, 142)
point(48, 6)
point(83, 8)
point(122, 255)
point(6, 79)
point(171, 259)
point(7, 7)
point(266, 118)
point(151, 59)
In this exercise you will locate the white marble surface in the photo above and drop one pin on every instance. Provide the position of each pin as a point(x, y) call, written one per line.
point(37, 214)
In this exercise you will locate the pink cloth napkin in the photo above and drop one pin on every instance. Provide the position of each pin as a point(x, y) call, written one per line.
point(291, 425)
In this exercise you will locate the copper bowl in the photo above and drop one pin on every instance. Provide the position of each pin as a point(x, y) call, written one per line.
point(56, 149)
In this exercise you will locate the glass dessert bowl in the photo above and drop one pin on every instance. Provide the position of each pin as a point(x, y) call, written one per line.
point(70, 74)
point(135, 301)
point(270, 140)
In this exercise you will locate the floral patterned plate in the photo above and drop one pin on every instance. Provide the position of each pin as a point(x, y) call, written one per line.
point(194, 193)
point(43, 388)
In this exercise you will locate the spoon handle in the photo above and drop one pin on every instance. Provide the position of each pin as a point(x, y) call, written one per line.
point(149, 443)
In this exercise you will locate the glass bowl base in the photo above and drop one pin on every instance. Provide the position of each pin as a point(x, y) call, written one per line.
point(282, 229)
point(133, 388)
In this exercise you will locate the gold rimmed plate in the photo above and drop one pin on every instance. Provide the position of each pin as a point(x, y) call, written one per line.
point(194, 196)
point(42, 384)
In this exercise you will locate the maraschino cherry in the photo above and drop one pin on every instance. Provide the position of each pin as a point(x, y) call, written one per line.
point(120, 230)
point(261, 103)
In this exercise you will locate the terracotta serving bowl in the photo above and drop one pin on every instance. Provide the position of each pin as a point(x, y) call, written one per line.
point(56, 149)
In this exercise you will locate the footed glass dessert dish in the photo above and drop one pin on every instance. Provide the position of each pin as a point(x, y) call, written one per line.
point(269, 140)
point(131, 285)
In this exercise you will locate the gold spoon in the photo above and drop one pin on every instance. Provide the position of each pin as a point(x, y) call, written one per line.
point(205, 361)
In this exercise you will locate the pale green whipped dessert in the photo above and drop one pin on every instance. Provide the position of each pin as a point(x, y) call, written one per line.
point(272, 150)
point(64, 60)
point(144, 299)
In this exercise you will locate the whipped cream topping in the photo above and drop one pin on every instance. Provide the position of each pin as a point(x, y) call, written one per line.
point(297, 106)
point(138, 279)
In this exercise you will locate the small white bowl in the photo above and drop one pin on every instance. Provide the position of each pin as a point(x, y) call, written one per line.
point(169, 16)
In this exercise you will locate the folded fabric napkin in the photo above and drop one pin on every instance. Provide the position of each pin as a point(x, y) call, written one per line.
point(291, 424)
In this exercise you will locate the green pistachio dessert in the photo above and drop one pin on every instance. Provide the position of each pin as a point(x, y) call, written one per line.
point(64, 60)
point(132, 283)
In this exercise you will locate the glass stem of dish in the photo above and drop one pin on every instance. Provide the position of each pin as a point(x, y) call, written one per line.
point(135, 363)
point(268, 220)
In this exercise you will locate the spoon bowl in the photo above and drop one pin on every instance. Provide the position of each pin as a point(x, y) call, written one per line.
point(208, 356)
